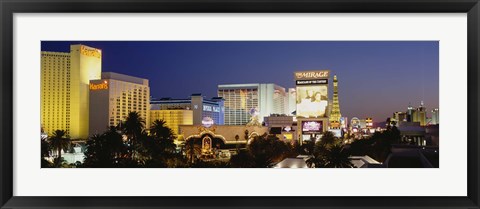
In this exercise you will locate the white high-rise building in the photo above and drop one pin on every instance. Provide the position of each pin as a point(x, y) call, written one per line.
point(241, 100)
point(292, 100)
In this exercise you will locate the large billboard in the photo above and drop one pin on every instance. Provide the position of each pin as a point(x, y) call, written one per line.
point(312, 93)
point(312, 101)
point(312, 127)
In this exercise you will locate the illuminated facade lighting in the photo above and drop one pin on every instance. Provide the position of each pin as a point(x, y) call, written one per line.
point(335, 114)
point(173, 118)
point(201, 107)
point(65, 79)
point(240, 99)
point(114, 96)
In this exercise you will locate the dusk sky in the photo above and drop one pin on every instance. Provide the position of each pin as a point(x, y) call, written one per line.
point(375, 79)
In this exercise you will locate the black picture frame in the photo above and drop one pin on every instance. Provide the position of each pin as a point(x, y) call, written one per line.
point(10, 7)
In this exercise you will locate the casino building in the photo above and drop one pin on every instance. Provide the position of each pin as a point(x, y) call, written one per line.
point(201, 108)
point(115, 95)
point(219, 141)
point(173, 118)
point(244, 104)
point(195, 110)
point(65, 79)
point(240, 99)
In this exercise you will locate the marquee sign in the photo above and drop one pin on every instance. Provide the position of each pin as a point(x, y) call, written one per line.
point(309, 127)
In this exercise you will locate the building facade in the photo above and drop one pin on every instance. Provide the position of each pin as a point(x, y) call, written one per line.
point(55, 88)
point(420, 115)
point(202, 109)
point(292, 98)
point(282, 126)
point(412, 133)
point(65, 79)
point(173, 118)
point(435, 117)
point(113, 97)
point(243, 99)
point(399, 116)
point(416, 114)
point(218, 142)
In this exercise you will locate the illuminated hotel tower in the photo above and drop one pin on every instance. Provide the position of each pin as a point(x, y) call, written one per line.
point(65, 79)
point(113, 97)
point(55, 86)
point(241, 99)
point(335, 114)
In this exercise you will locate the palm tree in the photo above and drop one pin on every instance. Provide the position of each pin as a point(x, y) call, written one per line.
point(164, 136)
point(308, 147)
point(133, 127)
point(45, 153)
point(192, 149)
point(329, 156)
point(236, 143)
point(337, 157)
point(59, 142)
point(328, 139)
point(246, 136)
point(114, 142)
point(94, 153)
point(319, 151)
point(159, 129)
point(267, 150)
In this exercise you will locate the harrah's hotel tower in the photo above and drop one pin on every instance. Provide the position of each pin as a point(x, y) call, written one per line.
point(78, 98)
point(65, 79)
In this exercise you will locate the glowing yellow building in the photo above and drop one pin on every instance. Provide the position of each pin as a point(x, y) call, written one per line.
point(172, 118)
point(65, 79)
point(55, 87)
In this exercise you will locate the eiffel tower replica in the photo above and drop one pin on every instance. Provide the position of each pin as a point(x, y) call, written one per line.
point(335, 114)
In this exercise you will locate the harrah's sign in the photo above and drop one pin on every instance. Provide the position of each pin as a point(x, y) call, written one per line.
point(100, 86)
point(306, 75)
point(91, 52)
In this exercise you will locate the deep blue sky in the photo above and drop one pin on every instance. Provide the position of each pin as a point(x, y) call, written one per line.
point(375, 78)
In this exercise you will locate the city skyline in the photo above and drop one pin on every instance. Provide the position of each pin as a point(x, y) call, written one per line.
point(397, 72)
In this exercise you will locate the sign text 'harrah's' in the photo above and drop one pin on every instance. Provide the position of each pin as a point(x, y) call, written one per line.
point(100, 86)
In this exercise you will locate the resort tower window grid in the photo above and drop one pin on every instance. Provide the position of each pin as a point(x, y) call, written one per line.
point(127, 97)
point(55, 92)
point(238, 103)
point(112, 99)
point(172, 118)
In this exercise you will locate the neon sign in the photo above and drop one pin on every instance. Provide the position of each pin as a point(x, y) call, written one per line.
point(100, 86)
point(91, 52)
point(312, 74)
point(311, 127)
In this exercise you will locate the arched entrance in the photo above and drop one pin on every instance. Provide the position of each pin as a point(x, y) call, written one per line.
point(204, 146)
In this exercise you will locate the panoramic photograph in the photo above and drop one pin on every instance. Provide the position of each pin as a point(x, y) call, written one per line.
point(239, 104)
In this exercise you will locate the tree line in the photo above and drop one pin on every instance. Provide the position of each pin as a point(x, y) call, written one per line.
point(130, 145)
